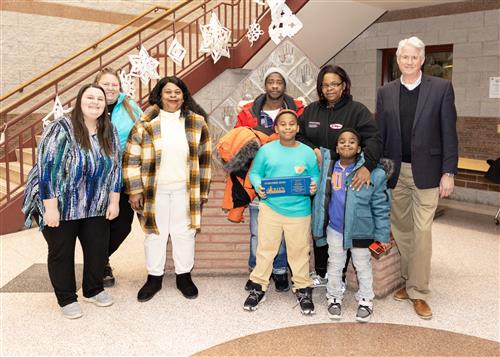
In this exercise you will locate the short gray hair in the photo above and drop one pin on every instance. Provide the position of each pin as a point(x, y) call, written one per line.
point(414, 42)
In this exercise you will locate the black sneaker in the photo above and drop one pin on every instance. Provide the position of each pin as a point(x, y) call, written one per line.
point(304, 299)
point(256, 296)
point(281, 282)
point(108, 280)
point(248, 285)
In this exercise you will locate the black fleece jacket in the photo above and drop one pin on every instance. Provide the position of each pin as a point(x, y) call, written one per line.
point(320, 126)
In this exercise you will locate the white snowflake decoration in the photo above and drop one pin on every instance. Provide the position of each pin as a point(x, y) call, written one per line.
point(127, 83)
point(254, 32)
point(284, 23)
point(144, 66)
point(57, 112)
point(176, 52)
point(215, 39)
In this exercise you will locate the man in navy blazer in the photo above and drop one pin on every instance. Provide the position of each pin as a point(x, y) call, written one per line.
point(416, 117)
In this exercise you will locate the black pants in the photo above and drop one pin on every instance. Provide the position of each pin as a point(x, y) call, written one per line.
point(93, 234)
point(121, 226)
point(321, 261)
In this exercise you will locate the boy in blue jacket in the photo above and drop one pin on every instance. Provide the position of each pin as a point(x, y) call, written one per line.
point(352, 219)
point(290, 215)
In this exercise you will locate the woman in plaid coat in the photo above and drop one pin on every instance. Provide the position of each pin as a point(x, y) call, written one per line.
point(166, 167)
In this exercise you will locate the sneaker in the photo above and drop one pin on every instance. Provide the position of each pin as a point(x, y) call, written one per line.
point(318, 281)
point(281, 282)
point(364, 313)
point(72, 311)
point(108, 280)
point(335, 309)
point(102, 299)
point(255, 298)
point(248, 285)
point(304, 299)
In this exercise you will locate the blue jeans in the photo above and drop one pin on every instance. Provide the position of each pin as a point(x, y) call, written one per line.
point(280, 262)
point(361, 258)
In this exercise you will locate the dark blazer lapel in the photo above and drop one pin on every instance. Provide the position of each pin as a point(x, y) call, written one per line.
point(423, 94)
point(395, 102)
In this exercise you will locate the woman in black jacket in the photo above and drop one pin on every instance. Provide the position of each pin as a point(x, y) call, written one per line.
point(320, 125)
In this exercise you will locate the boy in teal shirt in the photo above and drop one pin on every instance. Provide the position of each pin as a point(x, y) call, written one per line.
point(290, 215)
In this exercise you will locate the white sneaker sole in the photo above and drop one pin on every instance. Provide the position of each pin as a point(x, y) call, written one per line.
point(309, 312)
point(249, 308)
point(335, 317)
point(74, 316)
point(97, 303)
point(363, 319)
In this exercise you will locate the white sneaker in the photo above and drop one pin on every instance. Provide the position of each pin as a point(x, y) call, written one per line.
point(102, 299)
point(335, 309)
point(365, 311)
point(318, 281)
point(72, 311)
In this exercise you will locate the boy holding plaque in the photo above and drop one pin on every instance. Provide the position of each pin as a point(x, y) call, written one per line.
point(351, 219)
point(284, 159)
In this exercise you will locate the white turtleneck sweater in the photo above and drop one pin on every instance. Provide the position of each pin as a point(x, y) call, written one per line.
point(174, 151)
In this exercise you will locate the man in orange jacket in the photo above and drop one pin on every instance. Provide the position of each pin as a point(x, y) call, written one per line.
point(261, 114)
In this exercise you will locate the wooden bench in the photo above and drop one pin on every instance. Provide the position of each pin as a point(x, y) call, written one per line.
point(472, 164)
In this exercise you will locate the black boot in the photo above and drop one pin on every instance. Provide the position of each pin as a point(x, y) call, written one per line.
point(281, 282)
point(186, 285)
point(152, 286)
point(108, 280)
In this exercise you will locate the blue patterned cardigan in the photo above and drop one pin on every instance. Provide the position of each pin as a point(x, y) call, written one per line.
point(81, 180)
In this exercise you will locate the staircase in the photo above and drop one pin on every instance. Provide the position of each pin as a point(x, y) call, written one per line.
point(23, 107)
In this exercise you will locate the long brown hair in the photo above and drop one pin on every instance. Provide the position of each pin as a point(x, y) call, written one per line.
point(104, 126)
point(126, 102)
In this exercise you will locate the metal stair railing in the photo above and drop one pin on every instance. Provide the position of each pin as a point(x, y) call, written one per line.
point(182, 22)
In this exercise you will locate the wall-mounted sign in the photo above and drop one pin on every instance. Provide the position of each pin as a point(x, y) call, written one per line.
point(494, 87)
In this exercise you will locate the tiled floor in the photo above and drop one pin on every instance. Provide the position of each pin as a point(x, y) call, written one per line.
point(465, 282)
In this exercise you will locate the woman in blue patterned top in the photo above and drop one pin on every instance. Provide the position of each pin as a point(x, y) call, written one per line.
point(123, 112)
point(79, 179)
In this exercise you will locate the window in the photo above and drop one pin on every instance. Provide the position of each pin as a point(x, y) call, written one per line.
point(438, 63)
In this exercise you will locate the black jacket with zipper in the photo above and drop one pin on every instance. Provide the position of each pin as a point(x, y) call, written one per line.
point(320, 126)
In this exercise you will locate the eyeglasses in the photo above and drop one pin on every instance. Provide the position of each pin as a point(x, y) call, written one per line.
point(332, 85)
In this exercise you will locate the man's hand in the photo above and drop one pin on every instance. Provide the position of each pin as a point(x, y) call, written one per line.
point(446, 186)
point(136, 201)
point(361, 177)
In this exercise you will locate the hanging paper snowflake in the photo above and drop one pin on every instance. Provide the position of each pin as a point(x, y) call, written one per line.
point(254, 32)
point(57, 112)
point(176, 52)
point(144, 66)
point(127, 83)
point(215, 39)
point(284, 23)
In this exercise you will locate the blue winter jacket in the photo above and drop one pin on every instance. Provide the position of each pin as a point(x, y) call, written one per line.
point(367, 212)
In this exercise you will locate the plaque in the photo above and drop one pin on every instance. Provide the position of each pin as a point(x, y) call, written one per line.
point(287, 186)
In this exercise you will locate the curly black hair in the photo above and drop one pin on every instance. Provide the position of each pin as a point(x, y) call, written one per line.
point(189, 103)
point(339, 71)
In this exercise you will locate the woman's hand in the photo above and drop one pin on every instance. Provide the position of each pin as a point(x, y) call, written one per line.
point(136, 201)
point(51, 216)
point(361, 177)
point(318, 156)
point(313, 188)
point(112, 211)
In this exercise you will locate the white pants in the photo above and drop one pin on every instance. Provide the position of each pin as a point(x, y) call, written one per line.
point(173, 219)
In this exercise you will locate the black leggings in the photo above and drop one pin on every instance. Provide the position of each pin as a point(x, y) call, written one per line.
point(121, 226)
point(93, 234)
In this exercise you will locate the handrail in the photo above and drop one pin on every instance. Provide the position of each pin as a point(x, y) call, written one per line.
point(155, 35)
point(77, 54)
point(93, 57)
